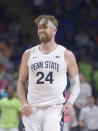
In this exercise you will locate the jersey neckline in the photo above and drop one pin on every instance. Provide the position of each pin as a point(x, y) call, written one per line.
point(48, 54)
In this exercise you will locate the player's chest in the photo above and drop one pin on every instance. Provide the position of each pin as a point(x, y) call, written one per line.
point(55, 63)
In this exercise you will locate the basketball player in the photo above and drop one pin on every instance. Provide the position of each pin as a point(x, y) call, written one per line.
point(45, 67)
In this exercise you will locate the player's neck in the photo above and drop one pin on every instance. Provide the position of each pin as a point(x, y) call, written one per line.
point(48, 47)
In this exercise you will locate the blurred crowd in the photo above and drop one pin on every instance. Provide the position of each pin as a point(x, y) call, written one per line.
point(85, 109)
point(77, 31)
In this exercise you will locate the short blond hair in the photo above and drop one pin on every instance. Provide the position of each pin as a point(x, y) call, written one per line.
point(47, 17)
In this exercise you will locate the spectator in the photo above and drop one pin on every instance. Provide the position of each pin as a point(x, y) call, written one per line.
point(88, 119)
point(85, 92)
point(82, 38)
point(10, 112)
point(5, 79)
point(6, 50)
point(15, 25)
point(85, 67)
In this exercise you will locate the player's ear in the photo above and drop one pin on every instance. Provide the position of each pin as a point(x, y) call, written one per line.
point(55, 30)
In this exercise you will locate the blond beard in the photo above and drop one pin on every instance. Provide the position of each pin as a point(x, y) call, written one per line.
point(45, 39)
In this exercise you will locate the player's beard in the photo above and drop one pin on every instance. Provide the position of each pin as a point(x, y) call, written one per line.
point(45, 38)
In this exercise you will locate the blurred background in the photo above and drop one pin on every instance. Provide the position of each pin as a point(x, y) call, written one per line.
point(77, 31)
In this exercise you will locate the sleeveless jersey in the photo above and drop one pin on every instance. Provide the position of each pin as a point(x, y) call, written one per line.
point(47, 77)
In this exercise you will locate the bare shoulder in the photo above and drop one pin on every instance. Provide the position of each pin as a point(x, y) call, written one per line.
point(26, 54)
point(71, 63)
point(69, 54)
point(69, 57)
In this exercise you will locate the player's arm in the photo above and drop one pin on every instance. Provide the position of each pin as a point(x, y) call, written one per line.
point(21, 88)
point(23, 74)
point(72, 69)
point(74, 78)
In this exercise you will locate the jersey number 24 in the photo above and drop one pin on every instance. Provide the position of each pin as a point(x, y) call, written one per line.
point(41, 80)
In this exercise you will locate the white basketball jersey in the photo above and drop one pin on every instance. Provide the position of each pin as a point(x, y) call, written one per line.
point(47, 77)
